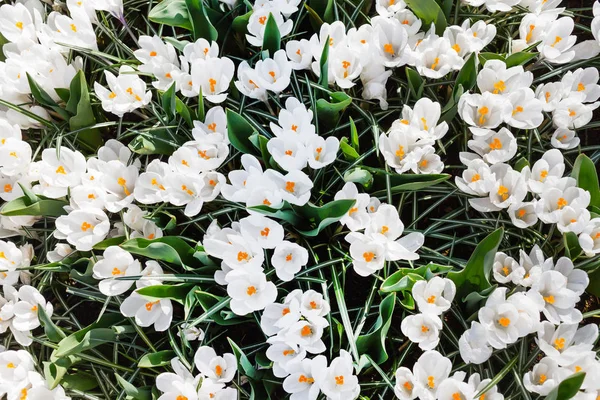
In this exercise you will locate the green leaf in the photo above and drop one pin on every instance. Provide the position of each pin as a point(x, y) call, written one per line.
point(201, 25)
point(54, 333)
point(80, 107)
point(521, 163)
point(348, 151)
point(164, 220)
point(401, 281)
point(467, 77)
point(572, 247)
point(170, 249)
point(483, 57)
point(243, 361)
point(214, 305)
point(315, 19)
point(271, 38)
point(429, 11)
point(239, 131)
point(158, 359)
point(584, 171)
point(475, 275)
point(568, 388)
point(520, 58)
point(359, 175)
point(81, 381)
point(177, 293)
point(168, 102)
point(324, 68)
point(172, 13)
point(373, 343)
point(416, 84)
point(354, 136)
point(507, 368)
point(3, 41)
point(43, 207)
point(321, 217)
point(403, 182)
point(105, 244)
point(131, 391)
point(474, 299)
point(40, 94)
point(240, 23)
point(84, 340)
point(184, 112)
point(329, 111)
point(594, 285)
point(157, 141)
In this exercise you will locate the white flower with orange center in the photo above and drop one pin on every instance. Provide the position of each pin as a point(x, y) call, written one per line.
point(116, 263)
point(258, 22)
point(219, 369)
point(185, 190)
point(150, 187)
point(16, 23)
point(501, 320)
point(589, 239)
point(557, 45)
point(248, 82)
point(495, 77)
point(294, 187)
point(494, 147)
point(278, 316)
point(301, 382)
point(274, 73)
point(368, 255)
point(571, 113)
point(430, 370)
point(148, 311)
point(180, 384)
point(434, 296)
point(554, 199)
point(583, 81)
point(60, 169)
point(544, 377)
point(288, 259)
point(405, 384)
point(566, 343)
point(435, 58)
point(546, 172)
point(26, 309)
point(559, 300)
point(288, 151)
point(83, 228)
point(423, 329)
point(510, 188)
point(126, 93)
point(249, 291)
point(211, 77)
point(214, 127)
point(473, 344)
point(15, 365)
point(337, 381)
point(477, 179)
point(550, 94)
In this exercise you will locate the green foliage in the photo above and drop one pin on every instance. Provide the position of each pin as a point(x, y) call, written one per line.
point(584, 171)
point(373, 343)
point(429, 12)
point(272, 38)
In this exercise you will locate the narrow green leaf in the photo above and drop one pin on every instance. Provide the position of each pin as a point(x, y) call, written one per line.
point(271, 38)
point(429, 12)
point(416, 84)
point(177, 293)
point(169, 249)
point(172, 13)
point(467, 77)
point(201, 25)
point(239, 131)
point(520, 58)
point(584, 171)
point(373, 343)
point(54, 333)
point(568, 388)
point(498, 377)
point(158, 359)
point(243, 360)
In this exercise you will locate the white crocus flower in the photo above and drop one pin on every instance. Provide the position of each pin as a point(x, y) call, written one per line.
point(265, 232)
point(211, 77)
point(388, 8)
point(247, 82)
point(288, 152)
point(337, 381)
point(114, 7)
point(423, 329)
point(61, 251)
point(186, 190)
point(405, 384)
point(127, 92)
point(523, 215)
point(288, 259)
point(298, 52)
point(495, 147)
point(557, 45)
point(496, 78)
point(322, 152)
point(26, 309)
point(506, 269)
point(344, 66)
point(274, 73)
point(434, 296)
point(454, 388)
point(430, 370)
point(16, 23)
point(148, 312)
point(553, 200)
point(589, 239)
point(181, 383)
point(573, 220)
point(509, 189)
point(119, 182)
point(477, 179)
point(390, 40)
point(258, 22)
point(546, 172)
point(286, 357)
point(150, 187)
point(301, 382)
point(399, 147)
point(565, 343)
point(527, 110)
point(368, 256)
point(485, 110)
point(219, 369)
point(473, 344)
point(214, 126)
point(249, 291)
point(583, 80)
point(559, 300)
point(502, 320)
point(83, 228)
point(564, 139)
point(116, 263)
point(494, 5)
point(550, 94)
point(571, 113)
point(15, 158)
point(294, 187)
point(544, 377)
point(15, 365)
point(61, 169)
point(435, 57)
point(191, 333)
point(278, 316)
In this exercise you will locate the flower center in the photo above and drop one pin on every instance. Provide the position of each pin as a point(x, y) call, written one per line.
point(424, 329)
point(561, 203)
point(483, 111)
point(549, 299)
point(503, 192)
point(251, 290)
point(306, 331)
point(559, 343)
point(368, 256)
point(265, 232)
point(85, 226)
point(505, 322)
point(242, 256)
point(339, 380)
point(496, 144)
point(499, 87)
point(290, 186)
point(431, 381)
